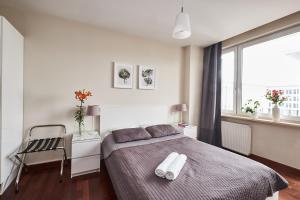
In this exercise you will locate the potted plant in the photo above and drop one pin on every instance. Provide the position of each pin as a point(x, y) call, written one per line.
point(251, 108)
point(81, 96)
point(277, 98)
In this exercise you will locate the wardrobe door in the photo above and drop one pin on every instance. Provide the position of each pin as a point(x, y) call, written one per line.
point(11, 96)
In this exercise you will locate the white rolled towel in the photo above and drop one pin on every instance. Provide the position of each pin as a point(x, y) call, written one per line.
point(161, 169)
point(175, 167)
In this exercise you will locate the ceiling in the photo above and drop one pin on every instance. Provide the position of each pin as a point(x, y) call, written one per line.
point(212, 20)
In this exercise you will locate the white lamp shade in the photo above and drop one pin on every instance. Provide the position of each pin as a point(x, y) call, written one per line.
point(182, 28)
point(93, 110)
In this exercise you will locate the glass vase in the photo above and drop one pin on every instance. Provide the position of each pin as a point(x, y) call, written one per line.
point(80, 129)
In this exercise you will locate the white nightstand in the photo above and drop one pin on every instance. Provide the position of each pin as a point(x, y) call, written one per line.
point(190, 131)
point(85, 153)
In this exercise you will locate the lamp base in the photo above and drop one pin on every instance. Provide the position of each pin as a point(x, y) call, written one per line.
point(182, 124)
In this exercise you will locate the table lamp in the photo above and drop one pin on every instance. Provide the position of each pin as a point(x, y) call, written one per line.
point(181, 108)
point(93, 110)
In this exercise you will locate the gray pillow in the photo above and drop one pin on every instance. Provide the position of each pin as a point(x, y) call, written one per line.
point(130, 134)
point(162, 130)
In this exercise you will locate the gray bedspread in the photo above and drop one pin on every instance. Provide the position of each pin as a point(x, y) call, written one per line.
point(210, 173)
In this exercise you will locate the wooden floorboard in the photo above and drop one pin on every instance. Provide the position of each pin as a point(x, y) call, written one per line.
point(41, 182)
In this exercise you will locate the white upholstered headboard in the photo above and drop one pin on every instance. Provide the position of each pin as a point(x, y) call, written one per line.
point(126, 116)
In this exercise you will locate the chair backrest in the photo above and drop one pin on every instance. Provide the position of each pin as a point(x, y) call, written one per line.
point(47, 131)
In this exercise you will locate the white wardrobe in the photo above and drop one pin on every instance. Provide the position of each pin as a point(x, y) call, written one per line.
point(11, 99)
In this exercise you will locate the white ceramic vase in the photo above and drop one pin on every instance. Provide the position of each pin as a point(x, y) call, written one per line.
point(255, 115)
point(276, 113)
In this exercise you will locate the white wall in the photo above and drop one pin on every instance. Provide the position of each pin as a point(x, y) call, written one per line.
point(63, 56)
point(193, 82)
point(285, 22)
point(277, 143)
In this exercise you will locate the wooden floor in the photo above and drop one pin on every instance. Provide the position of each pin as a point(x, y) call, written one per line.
point(42, 183)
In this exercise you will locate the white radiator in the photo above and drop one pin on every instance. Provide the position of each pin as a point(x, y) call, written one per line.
point(236, 137)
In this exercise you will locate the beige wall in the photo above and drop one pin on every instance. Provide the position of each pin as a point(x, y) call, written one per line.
point(288, 21)
point(275, 142)
point(193, 82)
point(278, 143)
point(62, 56)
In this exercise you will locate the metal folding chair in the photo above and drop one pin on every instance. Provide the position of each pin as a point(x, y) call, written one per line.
point(33, 145)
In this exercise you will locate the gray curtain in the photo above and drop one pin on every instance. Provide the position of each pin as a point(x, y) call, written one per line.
point(210, 115)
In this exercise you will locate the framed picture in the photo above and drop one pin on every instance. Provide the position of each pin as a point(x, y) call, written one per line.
point(123, 75)
point(147, 77)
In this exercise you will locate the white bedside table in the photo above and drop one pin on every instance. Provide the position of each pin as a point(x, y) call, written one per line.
point(190, 131)
point(85, 153)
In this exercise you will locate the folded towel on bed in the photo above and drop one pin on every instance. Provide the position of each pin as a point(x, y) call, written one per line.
point(175, 167)
point(161, 169)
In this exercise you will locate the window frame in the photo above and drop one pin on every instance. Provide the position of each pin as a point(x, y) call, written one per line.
point(238, 69)
point(234, 50)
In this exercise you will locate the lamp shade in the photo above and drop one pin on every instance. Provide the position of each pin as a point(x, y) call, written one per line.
point(182, 29)
point(93, 110)
point(181, 107)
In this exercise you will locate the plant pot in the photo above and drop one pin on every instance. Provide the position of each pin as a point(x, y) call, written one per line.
point(276, 113)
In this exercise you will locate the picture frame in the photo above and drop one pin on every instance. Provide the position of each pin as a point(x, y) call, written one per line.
point(123, 75)
point(147, 77)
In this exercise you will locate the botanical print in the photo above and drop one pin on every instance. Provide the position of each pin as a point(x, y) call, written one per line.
point(147, 77)
point(123, 75)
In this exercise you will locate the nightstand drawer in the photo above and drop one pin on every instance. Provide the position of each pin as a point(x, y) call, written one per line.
point(87, 148)
point(85, 165)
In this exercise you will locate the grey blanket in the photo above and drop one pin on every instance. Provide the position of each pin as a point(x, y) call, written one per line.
point(210, 173)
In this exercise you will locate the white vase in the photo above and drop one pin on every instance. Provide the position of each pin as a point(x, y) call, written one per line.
point(255, 115)
point(276, 113)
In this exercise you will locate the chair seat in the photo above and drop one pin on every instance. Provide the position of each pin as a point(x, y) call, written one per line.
point(45, 144)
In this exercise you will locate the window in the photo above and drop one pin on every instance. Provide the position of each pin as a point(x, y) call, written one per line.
point(228, 65)
point(271, 62)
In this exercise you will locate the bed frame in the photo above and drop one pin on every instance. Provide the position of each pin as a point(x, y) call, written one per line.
point(126, 116)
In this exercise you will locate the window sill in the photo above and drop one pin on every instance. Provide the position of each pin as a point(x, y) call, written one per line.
point(285, 123)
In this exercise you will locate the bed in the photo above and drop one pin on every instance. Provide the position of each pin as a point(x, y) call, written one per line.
point(210, 173)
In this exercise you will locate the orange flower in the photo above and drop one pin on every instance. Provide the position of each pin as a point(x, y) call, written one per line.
point(82, 95)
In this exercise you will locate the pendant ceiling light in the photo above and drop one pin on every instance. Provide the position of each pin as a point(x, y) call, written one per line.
point(182, 29)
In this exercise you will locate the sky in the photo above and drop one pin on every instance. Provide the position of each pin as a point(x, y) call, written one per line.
point(272, 62)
